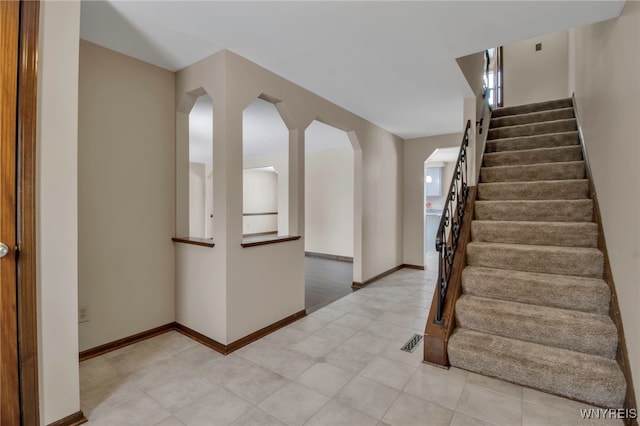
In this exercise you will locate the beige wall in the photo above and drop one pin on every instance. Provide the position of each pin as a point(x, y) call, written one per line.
point(260, 195)
point(197, 199)
point(472, 67)
point(56, 215)
point(380, 200)
point(125, 195)
point(277, 273)
point(531, 76)
point(446, 170)
point(416, 152)
point(606, 80)
point(201, 289)
point(281, 164)
point(476, 108)
point(329, 199)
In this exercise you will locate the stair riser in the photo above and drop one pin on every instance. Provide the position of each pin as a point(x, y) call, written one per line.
point(536, 233)
point(554, 140)
point(544, 190)
point(537, 117)
point(571, 330)
point(529, 108)
point(580, 263)
point(533, 129)
point(528, 173)
point(533, 156)
point(551, 211)
point(580, 294)
point(582, 377)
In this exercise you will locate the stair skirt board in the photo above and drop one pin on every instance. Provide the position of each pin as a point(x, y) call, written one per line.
point(534, 309)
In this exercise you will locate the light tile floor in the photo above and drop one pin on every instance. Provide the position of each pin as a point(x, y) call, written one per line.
point(342, 365)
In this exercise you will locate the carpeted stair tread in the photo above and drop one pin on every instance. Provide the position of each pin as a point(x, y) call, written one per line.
point(577, 261)
point(535, 107)
point(535, 210)
point(568, 234)
point(550, 140)
point(533, 172)
point(567, 189)
point(556, 126)
point(575, 375)
point(562, 328)
point(590, 295)
point(560, 154)
point(534, 309)
point(532, 117)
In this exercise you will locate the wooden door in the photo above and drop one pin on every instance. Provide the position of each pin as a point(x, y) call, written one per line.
point(19, 23)
point(9, 378)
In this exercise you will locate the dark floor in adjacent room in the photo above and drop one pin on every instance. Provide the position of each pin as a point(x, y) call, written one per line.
point(325, 281)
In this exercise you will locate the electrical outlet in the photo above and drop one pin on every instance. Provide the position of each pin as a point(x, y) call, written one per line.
point(83, 314)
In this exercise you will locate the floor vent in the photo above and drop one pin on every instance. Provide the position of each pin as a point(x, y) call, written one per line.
point(410, 346)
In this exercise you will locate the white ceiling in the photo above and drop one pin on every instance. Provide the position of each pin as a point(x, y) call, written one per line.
point(391, 62)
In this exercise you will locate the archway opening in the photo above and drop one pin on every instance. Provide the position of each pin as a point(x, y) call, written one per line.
point(438, 171)
point(329, 214)
point(265, 139)
point(201, 168)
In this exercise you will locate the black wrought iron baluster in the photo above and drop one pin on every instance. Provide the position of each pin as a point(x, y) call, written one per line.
point(450, 226)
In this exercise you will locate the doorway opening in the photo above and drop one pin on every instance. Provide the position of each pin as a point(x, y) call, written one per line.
point(492, 77)
point(438, 171)
point(329, 214)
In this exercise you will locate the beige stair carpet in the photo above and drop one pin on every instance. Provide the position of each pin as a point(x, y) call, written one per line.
point(534, 308)
point(533, 172)
point(557, 291)
point(577, 375)
point(568, 234)
point(554, 140)
point(536, 210)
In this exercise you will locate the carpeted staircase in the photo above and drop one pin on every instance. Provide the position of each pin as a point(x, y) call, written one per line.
point(534, 307)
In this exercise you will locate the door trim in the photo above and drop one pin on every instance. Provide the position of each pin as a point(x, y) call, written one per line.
point(26, 217)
